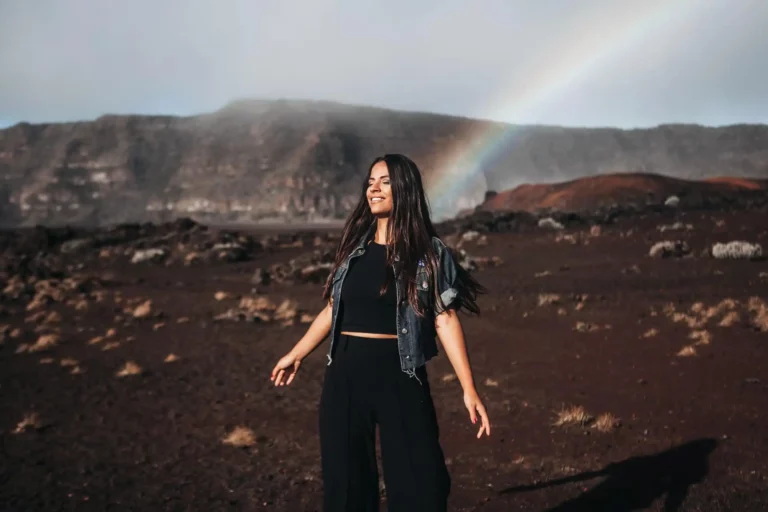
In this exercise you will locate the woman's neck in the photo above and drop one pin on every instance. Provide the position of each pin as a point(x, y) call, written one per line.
point(380, 237)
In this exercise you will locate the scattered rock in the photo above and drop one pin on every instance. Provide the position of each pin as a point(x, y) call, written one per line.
point(650, 333)
point(550, 223)
point(672, 201)
point(154, 255)
point(220, 295)
point(669, 249)
point(737, 250)
point(171, 358)
point(677, 226)
point(68, 361)
point(469, 236)
point(586, 327)
point(687, 351)
point(491, 383)
point(449, 377)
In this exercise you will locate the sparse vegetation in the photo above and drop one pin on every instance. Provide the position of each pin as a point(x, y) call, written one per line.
point(30, 421)
point(45, 342)
point(240, 437)
point(129, 368)
point(573, 416)
point(606, 422)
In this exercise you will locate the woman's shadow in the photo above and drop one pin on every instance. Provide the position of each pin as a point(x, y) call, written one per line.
point(634, 484)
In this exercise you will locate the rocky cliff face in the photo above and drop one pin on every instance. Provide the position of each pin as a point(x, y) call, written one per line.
point(257, 161)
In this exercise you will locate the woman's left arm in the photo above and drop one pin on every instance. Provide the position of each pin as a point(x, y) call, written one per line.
point(451, 336)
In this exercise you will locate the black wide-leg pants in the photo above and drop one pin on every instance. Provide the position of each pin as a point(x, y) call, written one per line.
point(364, 387)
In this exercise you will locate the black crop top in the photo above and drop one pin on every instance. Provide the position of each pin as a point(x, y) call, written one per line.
point(362, 309)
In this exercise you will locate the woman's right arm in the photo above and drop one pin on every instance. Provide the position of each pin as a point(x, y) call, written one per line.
point(316, 333)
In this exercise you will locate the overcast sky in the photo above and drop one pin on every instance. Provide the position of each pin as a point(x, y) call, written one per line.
point(571, 62)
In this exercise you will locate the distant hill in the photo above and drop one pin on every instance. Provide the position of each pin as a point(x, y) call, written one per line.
point(595, 192)
point(298, 161)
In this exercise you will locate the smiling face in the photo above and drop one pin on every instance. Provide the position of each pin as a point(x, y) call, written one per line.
point(379, 191)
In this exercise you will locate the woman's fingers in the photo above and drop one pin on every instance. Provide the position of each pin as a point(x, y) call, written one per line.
point(293, 373)
point(485, 423)
point(279, 377)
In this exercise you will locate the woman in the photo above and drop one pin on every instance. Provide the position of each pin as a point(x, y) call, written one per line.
point(393, 288)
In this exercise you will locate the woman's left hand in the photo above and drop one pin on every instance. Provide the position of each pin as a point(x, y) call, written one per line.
point(475, 407)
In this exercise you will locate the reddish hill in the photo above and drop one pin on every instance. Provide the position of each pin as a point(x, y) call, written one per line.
point(596, 191)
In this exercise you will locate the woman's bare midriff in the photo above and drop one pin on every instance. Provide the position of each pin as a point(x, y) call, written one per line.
point(370, 335)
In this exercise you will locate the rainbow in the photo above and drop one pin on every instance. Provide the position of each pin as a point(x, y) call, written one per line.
point(460, 169)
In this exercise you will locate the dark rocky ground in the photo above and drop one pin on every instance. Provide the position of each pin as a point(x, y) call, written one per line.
point(569, 321)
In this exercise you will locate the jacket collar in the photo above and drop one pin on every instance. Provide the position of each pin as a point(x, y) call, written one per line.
point(366, 238)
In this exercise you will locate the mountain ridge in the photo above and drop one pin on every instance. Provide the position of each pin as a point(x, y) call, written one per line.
point(258, 161)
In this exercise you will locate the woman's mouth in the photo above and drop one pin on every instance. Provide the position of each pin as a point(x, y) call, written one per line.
point(377, 199)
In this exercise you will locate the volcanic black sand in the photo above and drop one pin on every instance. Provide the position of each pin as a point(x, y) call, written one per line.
point(674, 349)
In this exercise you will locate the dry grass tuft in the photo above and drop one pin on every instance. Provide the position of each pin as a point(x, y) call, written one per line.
point(45, 342)
point(130, 368)
point(573, 415)
point(650, 333)
point(588, 327)
point(546, 299)
point(46, 360)
point(606, 422)
point(76, 370)
point(240, 437)
point(182, 320)
point(110, 346)
point(31, 421)
point(95, 340)
point(687, 351)
point(68, 361)
point(143, 310)
point(449, 377)
point(730, 319)
point(759, 309)
point(112, 332)
point(701, 337)
point(491, 383)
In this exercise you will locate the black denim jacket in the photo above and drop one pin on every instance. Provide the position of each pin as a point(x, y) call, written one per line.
point(415, 335)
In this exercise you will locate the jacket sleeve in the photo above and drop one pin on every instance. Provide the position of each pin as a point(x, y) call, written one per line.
point(446, 278)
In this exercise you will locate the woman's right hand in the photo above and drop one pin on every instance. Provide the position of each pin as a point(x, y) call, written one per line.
point(286, 363)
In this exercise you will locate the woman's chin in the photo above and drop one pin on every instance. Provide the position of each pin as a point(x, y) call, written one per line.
point(378, 211)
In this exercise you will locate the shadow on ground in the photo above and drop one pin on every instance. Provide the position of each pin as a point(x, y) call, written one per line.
point(635, 483)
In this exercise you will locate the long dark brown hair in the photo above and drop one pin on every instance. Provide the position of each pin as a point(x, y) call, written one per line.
point(410, 233)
